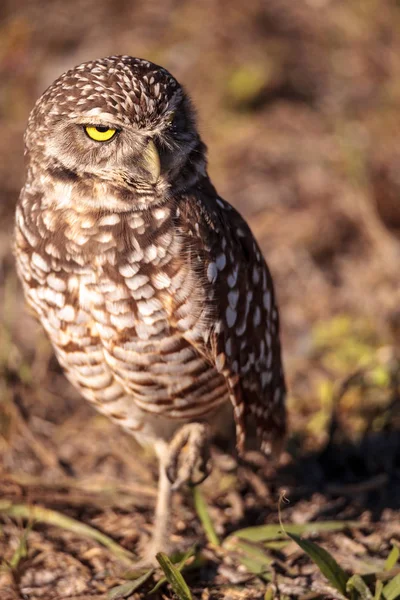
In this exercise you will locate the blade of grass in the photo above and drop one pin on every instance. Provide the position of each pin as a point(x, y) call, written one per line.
point(269, 594)
point(263, 533)
point(21, 550)
point(126, 589)
point(256, 568)
point(254, 558)
point(277, 545)
point(324, 561)
point(51, 517)
point(392, 558)
point(180, 566)
point(378, 590)
point(390, 565)
point(247, 549)
point(357, 587)
point(134, 574)
point(391, 591)
point(255, 551)
point(174, 577)
point(204, 516)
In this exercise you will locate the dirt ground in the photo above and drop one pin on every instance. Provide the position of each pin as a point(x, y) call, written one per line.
point(298, 103)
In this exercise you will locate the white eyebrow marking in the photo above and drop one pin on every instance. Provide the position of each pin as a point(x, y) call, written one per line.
point(96, 116)
point(98, 112)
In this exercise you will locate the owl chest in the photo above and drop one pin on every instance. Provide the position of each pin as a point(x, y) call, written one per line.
point(131, 301)
point(152, 329)
point(145, 287)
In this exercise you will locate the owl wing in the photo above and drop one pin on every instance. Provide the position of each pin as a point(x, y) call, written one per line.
point(243, 341)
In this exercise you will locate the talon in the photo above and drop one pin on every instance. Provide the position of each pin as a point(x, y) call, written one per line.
point(205, 473)
point(189, 456)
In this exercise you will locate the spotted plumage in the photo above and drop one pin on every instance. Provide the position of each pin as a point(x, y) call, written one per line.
point(151, 288)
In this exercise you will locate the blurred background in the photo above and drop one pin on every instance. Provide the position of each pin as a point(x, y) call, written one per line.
point(298, 103)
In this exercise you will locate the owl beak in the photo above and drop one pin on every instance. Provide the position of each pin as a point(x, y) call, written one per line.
point(151, 159)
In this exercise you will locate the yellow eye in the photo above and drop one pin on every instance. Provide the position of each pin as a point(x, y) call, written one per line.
point(170, 117)
point(100, 133)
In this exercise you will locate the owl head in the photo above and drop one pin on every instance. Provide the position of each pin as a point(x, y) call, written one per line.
point(119, 121)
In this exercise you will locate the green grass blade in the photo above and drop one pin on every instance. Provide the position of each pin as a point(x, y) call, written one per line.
point(255, 568)
point(51, 517)
point(253, 558)
point(391, 591)
point(174, 577)
point(126, 589)
point(269, 594)
point(134, 574)
point(180, 566)
point(276, 544)
point(392, 559)
point(378, 589)
point(21, 550)
point(357, 587)
point(324, 561)
point(204, 516)
point(254, 551)
point(264, 533)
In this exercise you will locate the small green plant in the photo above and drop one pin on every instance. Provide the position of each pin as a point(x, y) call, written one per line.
point(20, 552)
point(354, 587)
point(204, 516)
point(178, 566)
point(174, 577)
point(51, 517)
point(254, 547)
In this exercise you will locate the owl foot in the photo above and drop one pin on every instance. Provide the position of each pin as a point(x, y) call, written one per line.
point(189, 456)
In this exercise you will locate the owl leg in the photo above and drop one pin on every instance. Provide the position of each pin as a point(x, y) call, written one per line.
point(189, 455)
point(161, 530)
point(160, 539)
point(185, 460)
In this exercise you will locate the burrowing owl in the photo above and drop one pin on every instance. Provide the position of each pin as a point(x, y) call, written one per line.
point(151, 287)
